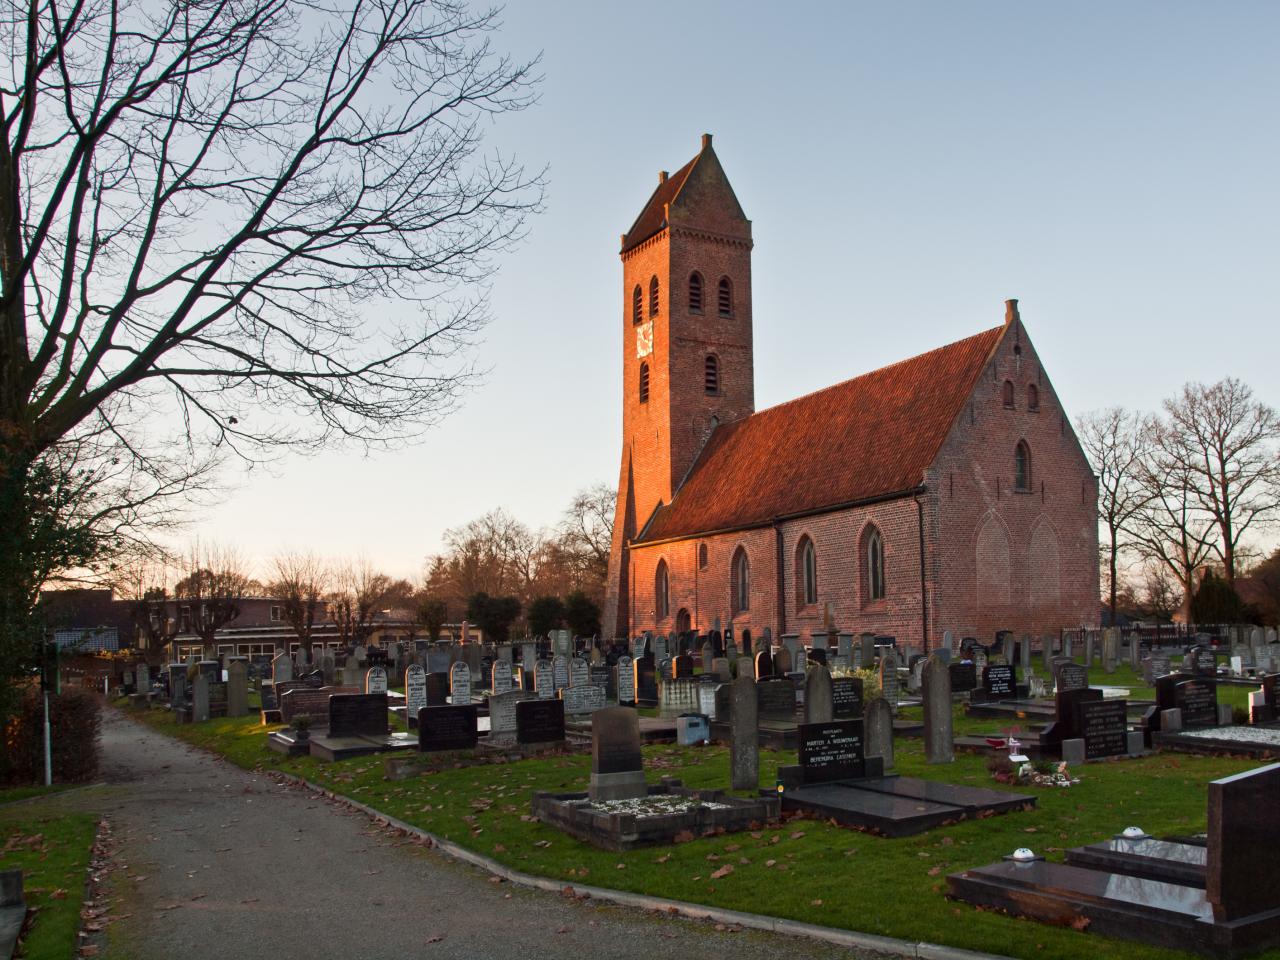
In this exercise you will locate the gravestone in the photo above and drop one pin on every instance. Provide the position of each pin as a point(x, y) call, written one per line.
point(866, 651)
point(583, 699)
point(1197, 698)
point(351, 673)
point(646, 680)
point(831, 751)
point(142, 673)
point(1088, 648)
point(782, 662)
point(964, 676)
point(681, 666)
point(1242, 842)
point(560, 671)
point(528, 655)
point(980, 661)
point(818, 695)
point(1110, 649)
point(998, 682)
point(844, 646)
point(1046, 652)
point(1103, 726)
point(415, 692)
point(437, 690)
point(281, 668)
point(460, 683)
point(544, 680)
point(375, 680)
point(626, 681)
point(1070, 676)
point(500, 676)
point(948, 641)
point(1155, 666)
point(846, 698)
point(617, 769)
point(358, 715)
point(1066, 723)
point(579, 675)
point(776, 700)
point(539, 721)
point(1007, 646)
point(1024, 652)
point(238, 689)
point(889, 678)
point(763, 664)
point(936, 694)
point(878, 728)
point(562, 643)
point(744, 746)
point(502, 713)
point(200, 699)
point(661, 649)
point(448, 728)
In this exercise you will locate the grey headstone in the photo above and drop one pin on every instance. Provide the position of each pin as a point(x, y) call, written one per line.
point(1024, 651)
point(1046, 652)
point(948, 641)
point(817, 694)
point(1170, 720)
point(281, 668)
point(867, 649)
point(782, 662)
point(1088, 648)
point(936, 686)
point(1110, 649)
point(617, 769)
point(460, 683)
point(544, 679)
point(1006, 646)
point(200, 699)
point(879, 731)
point(578, 673)
point(375, 680)
point(889, 678)
point(1073, 750)
point(238, 689)
point(626, 680)
point(560, 671)
point(744, 746)
point(415, 692)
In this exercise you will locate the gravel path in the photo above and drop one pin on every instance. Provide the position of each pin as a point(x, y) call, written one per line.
point(211, 861)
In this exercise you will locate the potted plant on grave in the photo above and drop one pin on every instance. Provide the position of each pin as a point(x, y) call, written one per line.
point(302, 728)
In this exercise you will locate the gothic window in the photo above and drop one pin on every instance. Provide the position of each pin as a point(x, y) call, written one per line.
point(740, 575)
point(725, 297)
point(702, 556)
point(1007, 395)
point(1022, 467)
point(711, 374)
point(644, 383)
point(637, 304)
point(661, 592)
point(695, 293)
point(1033, 397)
point(807, 572)
point(653, 297)
point(875, 565)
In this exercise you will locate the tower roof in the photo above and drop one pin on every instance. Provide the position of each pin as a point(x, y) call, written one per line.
point(670, 193)
point(869, 437)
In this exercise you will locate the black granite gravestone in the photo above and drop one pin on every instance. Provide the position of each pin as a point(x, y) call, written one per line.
point(437, 689)
point(448, 728)
point(964, 676)
point(998, 682)
point(646, 680)
point(358, 715)
point(831, 751)
point(1102, 724)
point(846, 698)
point(1198, 700)
point(539, 721)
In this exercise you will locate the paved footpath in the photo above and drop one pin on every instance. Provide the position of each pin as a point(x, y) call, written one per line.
point(210, 861)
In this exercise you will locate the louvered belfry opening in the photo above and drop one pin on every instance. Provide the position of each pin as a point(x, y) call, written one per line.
point(644, 383)
point(711, 374)
point(653, 297)
point(695, 293)
point(726, 297)
point(637, 304)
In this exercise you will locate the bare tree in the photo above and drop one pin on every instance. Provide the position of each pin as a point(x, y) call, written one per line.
point(586, 532)
point(1172, 528)
point(358, 594)
point(300, 584)
point(1113, 441)
point(1227, 441)
point(271, 219)
point(211, 592)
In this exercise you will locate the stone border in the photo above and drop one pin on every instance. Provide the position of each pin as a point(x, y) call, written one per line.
point(890, 946)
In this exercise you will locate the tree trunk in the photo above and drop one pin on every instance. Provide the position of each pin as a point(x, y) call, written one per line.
point(1113, 578)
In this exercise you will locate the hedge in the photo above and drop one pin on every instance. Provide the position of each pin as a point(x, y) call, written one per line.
point(74, 720)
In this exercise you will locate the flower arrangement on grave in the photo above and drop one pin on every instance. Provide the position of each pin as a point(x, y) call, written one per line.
point(301, 725)
point(870, 683)
point(1045, 773)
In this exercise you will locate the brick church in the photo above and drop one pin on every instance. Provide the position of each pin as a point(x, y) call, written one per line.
point(947, 491)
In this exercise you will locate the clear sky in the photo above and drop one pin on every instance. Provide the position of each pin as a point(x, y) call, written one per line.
point(907, 167)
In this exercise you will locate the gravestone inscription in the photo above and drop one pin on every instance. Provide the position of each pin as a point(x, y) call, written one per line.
point(831, 751)
point(539, 721)
point(448, 728)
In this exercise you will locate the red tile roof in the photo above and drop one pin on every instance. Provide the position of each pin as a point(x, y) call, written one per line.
point(865, 438)
point(653, 217)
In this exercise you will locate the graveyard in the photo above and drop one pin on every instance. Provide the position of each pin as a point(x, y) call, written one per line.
point(814, 870)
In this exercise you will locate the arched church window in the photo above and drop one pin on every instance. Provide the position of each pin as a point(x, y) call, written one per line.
point(1007, 394)
point(695, 293)
point(702, 556)
point(725, 297)
point(644, 383)
point(661, 591)
point(1022, 466)
point(875, 565)
point(1033, 397)
point(741, 576)
point(711, 374)
point(808, 572)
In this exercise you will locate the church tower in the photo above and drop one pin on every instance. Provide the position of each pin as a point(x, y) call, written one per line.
point(687, 361)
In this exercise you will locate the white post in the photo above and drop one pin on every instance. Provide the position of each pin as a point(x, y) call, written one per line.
point(48, 749)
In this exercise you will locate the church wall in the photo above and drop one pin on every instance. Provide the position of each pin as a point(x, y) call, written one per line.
point(1007, 559)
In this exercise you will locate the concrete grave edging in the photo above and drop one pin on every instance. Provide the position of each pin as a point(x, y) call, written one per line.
point(890, 946)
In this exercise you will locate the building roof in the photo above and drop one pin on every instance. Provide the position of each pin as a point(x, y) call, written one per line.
point(869, 437)
point(653, 217)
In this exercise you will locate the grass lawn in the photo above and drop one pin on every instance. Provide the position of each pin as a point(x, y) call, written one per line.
point(805, 870)
point(52, 849)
